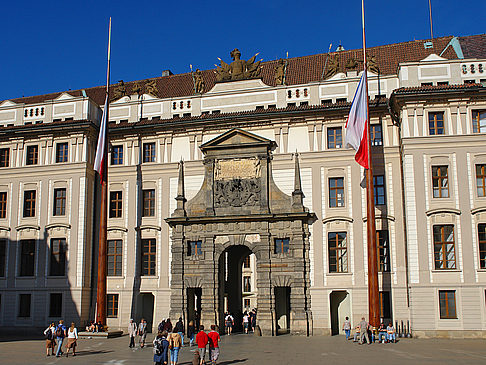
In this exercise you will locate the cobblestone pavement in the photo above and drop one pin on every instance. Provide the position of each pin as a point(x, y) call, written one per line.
point(248, 349)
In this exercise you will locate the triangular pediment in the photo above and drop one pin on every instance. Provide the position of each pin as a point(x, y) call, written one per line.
point(7, 103)
point(64, 96)
point(235, 137)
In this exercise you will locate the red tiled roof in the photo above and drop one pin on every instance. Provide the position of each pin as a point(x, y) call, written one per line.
point(301, 70)
point(429, 88)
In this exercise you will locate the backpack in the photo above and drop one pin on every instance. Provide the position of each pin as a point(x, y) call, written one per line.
point(59, 332)
point(49, 335)
point(158, 347)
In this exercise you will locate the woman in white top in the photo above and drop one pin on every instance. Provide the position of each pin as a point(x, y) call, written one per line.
point(50, 338)
point(72, 337)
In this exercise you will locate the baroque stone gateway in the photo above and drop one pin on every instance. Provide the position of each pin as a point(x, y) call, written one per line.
point(239, 210)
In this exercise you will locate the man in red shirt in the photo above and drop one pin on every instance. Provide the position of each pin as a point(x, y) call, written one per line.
point(201, 341)
point(213, 345)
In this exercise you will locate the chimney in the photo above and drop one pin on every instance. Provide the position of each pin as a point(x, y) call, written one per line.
point(167, 73)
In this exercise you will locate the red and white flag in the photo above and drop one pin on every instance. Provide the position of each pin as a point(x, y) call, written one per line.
point(100, 149)
point(357, 124)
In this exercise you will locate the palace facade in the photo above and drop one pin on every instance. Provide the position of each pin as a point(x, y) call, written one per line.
point(231, 189)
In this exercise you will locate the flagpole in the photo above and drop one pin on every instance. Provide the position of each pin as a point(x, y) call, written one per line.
point(373, 288)
point(102, 256)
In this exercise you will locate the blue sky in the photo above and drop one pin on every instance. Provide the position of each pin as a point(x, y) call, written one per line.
point(59, 45)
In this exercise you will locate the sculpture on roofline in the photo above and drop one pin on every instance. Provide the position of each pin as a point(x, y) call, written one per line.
point(280, 72)
point(372, 64)
point(120, 90)
point(198, 82)
point(238, 69)
point(151, 87)
point(333, 68)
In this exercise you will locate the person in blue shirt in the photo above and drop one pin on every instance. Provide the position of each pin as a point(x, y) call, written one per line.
point(60, 334)
point(161, 348)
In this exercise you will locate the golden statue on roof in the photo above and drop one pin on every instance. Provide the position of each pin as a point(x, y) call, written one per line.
point(238, 69)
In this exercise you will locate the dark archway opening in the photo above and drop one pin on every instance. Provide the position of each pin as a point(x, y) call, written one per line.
point(145, 309)
point(282, 309)
point(194, 305)
point(340, 309)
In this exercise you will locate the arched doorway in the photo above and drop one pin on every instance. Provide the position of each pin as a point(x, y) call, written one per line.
point(237, 283)
point(340, 309)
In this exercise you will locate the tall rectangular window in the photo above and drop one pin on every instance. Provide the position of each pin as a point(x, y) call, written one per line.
point(29, 203)
point(62, 152)
point(55, 305)
point(247, 284)
point(436, 123)
point(3, 257)
point(148, 257)
point(194, 248)
point(3, 204)
point(149, 152)
point(24, 305)
point(379, 189)
point(338, 252)
point(246, 262)
point(282, 245)
point(383, 250)
point(447, 304)
point(27, 257)
point(58, 257)
point(479, 121)
point(4, 157)
point(481, 180)
point(117, 155)
point(376, 135)
point(116, 204)
point(115, 257)
point(385, 307)
point(112, 305)
point(440, 182)
point(148, 202)
point(32, 155)
point(60, 201)
point(334, 138)
point(482, 245)
point(444, 247)
point(336, 192)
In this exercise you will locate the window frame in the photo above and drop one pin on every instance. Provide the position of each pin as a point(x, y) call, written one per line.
point(374, 132)
point(383, 251)
point(116, 204)
point(482, 245)
point(117, 254)
point(59, 202)
point(62, 152)
point(340, 259)
point(281, 245)
point(377, 188)
point(475, 118)
point(434, 128)
point(149, 266)
point(112, 303)
point(53, 314)
point(27, 258)
point(4, 157)
point(20, 312)
point(194, 248)
point(441, 254)
point(445, 301)
point(148, 197)
point(32, 155)
point(334, 193)
point(481, 177)
point(246, 284)
point(333, 137)
point(117, 155)
point(3, 204)
point(57, 256)
point(438, 179)
point(29, 210)
point(148, 149)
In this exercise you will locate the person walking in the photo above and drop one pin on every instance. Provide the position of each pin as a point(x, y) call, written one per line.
point(229, 322)
point(160, 327)
point(347, 328)
point(168, 326)
point(72, 336)
point(142, 332)
point(202, 340)
point(363, 328)
point(50, 333)
point(213, 345)
point(161, 349)
point(60, 334)
point(179, 328)
point(175, 344)
point(132, 332)
point(246, 322)
point(190, 332)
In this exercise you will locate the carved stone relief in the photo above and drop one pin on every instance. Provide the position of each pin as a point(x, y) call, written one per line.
point(237, 192)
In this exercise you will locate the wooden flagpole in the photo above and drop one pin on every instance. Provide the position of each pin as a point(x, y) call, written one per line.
point(102, 247)
point(373, 289)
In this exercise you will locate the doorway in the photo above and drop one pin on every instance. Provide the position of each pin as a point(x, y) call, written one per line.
point(194, 305)
point(282, 309)
point(145, 309)
point(340, 309)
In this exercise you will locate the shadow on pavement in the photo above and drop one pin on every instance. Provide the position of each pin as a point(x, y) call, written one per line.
point(85, 353)
point(228, 362)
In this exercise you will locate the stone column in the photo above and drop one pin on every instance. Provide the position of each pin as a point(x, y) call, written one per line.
point(209, 301)
point(266, 300)
point(177, 297)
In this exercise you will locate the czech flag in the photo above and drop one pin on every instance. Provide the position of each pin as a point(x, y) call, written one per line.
point(357, 124)
point(100, 149)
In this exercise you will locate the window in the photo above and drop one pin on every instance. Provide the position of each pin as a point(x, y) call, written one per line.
point(379, 189)
point(149, 152)
point(55, 305)
point(479, 121)
point(115, 204)
point(62, 152)
point(336, 192)
point(444, 250)
point(4, 157)
point(334, 137)
point(194, 248)
point(112, 305)
point(27, 257)
point(3, 257)
point(29, 203)
point(440, 182)
point(117, 155)
point(115, 257)
point(148, 203)
point(247, 303)
point(482, 245)
point(3, 204)
point(338, 252)
point(436, 123)
point(385, 308)
point(24, 305)
point(282, 245)
point(59, 201)
point(58, 257)
point(148, 257)
point(481, 180)
point(376, 135)
point(447, 304)
point(32, 155)
point(442, 83)
point(247, 284)
point(383, 250)
point(246, 262)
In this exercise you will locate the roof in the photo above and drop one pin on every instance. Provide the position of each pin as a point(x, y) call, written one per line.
point(432, 88)
point(301, 70)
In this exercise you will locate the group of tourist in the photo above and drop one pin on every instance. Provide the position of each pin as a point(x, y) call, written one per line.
point(384, 334)
point(135, 330)
point(55, 335)
point(248, 321)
